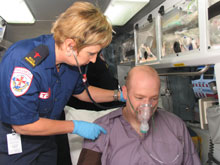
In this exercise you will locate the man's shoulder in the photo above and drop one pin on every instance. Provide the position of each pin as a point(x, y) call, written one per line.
point(170, 121)
point(110, 115)
point(169, 116)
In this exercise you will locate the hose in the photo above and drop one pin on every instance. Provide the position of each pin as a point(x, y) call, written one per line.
point(210, 154)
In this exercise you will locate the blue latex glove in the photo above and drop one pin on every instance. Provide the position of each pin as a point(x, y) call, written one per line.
point(87, 130)
point(121, 97)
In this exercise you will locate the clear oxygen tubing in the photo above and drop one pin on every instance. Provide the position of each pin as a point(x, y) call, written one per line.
point(144, 116)
point(86, 85)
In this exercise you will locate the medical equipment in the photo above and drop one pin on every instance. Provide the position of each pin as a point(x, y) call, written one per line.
point(144, 113)
point(84, 79)
point(213, 117)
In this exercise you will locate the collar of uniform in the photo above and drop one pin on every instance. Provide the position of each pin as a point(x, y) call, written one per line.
point(51, 59)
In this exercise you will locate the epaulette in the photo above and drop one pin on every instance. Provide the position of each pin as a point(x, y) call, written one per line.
point(37, 55)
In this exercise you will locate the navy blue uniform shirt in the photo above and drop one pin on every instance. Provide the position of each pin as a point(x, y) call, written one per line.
point(28, 92)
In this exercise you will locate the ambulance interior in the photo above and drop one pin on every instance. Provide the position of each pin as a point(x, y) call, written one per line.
point(179, 38)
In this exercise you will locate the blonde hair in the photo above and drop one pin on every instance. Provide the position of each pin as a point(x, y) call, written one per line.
point(85, 24)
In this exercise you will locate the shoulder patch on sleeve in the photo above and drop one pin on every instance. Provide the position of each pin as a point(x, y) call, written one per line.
point(37, 55)
point(20, 81)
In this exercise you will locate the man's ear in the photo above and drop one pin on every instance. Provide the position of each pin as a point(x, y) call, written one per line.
point(124, 90)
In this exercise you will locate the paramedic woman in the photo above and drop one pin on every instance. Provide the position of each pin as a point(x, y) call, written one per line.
point(37, 77)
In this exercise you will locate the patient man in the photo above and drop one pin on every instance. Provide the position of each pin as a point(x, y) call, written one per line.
point(140, 133)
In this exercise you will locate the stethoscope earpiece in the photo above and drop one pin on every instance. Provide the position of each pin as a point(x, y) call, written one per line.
point(74, 54)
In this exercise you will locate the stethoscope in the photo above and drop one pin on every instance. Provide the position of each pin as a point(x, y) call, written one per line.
point(85, 82)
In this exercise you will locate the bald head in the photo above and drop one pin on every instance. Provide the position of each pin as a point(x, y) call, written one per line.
point(142, 87)
point(141, 73)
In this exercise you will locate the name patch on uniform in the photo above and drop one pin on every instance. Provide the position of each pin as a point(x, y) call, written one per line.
point(37, 55)
point(45, 95)
point(20, 81)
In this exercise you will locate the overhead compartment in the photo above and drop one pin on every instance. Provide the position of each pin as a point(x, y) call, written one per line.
point(179, 33)
point(180, 29)
point(146, 41)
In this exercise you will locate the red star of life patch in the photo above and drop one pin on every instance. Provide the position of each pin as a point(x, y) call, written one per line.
point(20, 81)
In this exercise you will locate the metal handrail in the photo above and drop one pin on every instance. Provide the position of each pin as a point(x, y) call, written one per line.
point(187, 73)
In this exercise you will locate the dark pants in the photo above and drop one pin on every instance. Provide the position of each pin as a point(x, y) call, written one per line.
point(63, 151)
point(36, 150)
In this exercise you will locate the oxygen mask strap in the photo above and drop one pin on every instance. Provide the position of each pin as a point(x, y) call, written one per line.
point(132, 107)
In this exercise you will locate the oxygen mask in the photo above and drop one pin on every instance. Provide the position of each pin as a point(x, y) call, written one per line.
point(144, 113)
